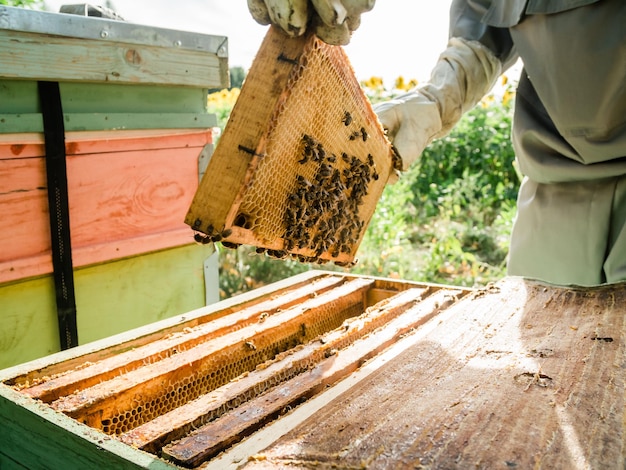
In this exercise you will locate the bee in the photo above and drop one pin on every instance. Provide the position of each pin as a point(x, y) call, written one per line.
point(232, 246)
point(347, 118)
point(203, 239)
point(259, 250)
point(289, 244)
point(226, 233)
point(332, 158)
point(250, 345)
point(363, 134)
point(370, 159)
point(345, 157)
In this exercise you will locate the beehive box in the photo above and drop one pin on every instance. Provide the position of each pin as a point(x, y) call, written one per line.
point(136, 127)
point(329, 370)
point(303, 159)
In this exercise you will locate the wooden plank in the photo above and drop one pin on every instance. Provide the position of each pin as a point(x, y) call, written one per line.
point(215, 196)
point(20, 97)
point(124, 200)
point(232, 426)
point(10, 123)
point(84, 377)
point(518, 374)
point(35, 56)
point(111, 298)
point(64, 361)
point(35, 437)
point(186, 375)
point(175, 424)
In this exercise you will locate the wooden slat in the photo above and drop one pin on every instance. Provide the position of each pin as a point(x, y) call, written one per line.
point(518, 375)
point(231, 427)
point(177, 423)
point(79, 379)
point(33, 122)
point(246, 126)
point(64, 361)
point(118, 395)
point(124, 200)
point(39, 56)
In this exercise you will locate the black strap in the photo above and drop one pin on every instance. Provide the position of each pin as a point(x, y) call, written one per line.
point(58, 207)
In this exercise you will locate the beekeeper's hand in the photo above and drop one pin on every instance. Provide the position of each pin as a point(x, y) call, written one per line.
point(332, 20)
point(464, 73)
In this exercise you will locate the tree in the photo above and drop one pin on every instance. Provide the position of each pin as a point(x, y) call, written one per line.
point(237, 75)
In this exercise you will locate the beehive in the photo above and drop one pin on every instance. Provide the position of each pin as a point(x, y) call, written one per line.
point(180, 392)
point(303, 159)
point(334, 370)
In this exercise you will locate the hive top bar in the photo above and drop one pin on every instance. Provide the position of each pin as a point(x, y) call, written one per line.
point(302, 161)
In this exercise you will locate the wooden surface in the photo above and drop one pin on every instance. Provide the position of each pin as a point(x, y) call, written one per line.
point(110, 298)
point(105, 106)
point(230, 163)
point(514, 375)
point(128, 194)
point(36, 56)
point(35, 438)
point(518, 375)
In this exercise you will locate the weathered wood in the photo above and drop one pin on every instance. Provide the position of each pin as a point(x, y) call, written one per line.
point(188, 374)
point(516, 375)
point(33, 436)
point(62, 362)
point(36, 56)
point(341, 360)
point(128, 193)
point(84, 377)
point(173, 425)
point(245, 128)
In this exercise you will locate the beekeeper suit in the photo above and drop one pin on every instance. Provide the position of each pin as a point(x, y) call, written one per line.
point(569, 129)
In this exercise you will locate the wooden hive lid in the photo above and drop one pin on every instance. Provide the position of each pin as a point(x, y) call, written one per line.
point(303, 159)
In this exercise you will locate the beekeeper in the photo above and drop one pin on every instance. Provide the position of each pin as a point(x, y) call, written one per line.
point(569, 130)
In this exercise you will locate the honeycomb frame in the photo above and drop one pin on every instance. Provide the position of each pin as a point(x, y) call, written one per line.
point(303, 159)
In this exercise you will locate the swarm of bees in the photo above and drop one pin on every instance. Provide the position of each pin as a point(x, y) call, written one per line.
point(321, 214)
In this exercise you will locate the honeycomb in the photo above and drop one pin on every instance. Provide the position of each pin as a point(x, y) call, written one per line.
point(162, 394)
point(318, 170)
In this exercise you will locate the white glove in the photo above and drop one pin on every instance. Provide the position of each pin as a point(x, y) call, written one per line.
point(332, 20)
point(464, 73)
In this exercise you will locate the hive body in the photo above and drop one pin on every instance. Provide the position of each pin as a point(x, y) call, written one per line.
point(303, 159)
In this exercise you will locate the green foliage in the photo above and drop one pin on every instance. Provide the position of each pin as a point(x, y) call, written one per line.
point(470, 169)
point(237, 76)
point(447, 220)
point(32, 4)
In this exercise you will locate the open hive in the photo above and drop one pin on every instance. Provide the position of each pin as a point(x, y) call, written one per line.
point(338, 371)
point(187, 392)
point(302, 161)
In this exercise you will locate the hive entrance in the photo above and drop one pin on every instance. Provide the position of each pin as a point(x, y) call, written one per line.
point(303, 159)
point(193, 392)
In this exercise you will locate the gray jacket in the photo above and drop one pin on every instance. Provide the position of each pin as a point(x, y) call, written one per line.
point(570, 115)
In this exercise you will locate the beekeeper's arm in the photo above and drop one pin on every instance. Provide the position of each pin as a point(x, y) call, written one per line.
point(333, 20)
point(466, 70)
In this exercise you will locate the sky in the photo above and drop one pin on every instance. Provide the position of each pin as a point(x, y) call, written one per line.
point(397, 38)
